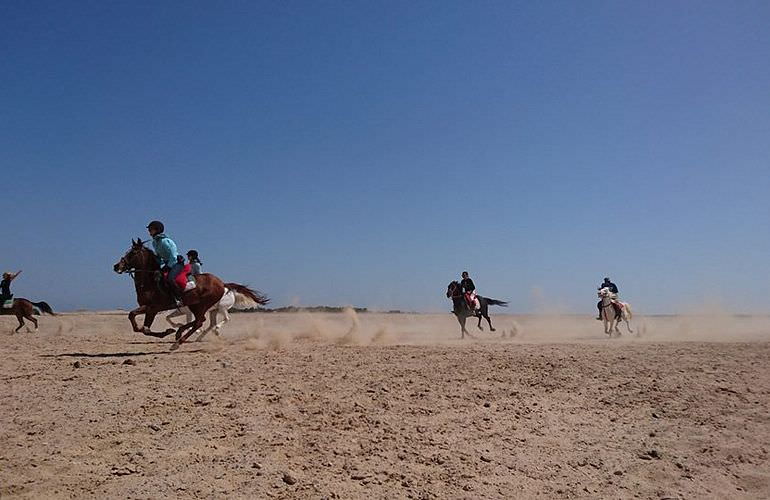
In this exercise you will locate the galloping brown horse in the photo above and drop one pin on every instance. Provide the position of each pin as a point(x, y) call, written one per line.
point(23, 308)
point(141, 263)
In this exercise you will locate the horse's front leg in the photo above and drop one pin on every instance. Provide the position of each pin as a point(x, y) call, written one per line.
point(461, 320)
point(479, 325)
point(491, 328)
point(149, 317)
point(132, 317)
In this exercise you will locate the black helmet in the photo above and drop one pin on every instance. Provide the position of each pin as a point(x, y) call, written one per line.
point(193, 254)
point(465, 273)
point(156, 225)
point(606, 279)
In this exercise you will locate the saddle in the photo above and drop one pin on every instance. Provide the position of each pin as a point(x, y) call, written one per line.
point(618, 306)
point(188, 296)
point(8, 304)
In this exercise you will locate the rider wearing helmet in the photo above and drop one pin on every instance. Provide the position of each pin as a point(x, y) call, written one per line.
point(168, 257)
point(469, 288)
point(613, 288)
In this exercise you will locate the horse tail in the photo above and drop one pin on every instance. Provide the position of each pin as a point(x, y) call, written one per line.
point(495, 302)
point(43, 307)
point(251, 295)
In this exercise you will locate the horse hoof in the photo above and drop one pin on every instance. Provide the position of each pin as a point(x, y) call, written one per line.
point(174, 346)
point(169, 331)
point(492, 330)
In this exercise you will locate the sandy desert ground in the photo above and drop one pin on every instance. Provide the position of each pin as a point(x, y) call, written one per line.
point(387, 406)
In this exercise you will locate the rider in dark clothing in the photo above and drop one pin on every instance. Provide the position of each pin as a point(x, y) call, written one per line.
point(609, 284)
point(469, 289)
point(613, 288)
point(467, 284)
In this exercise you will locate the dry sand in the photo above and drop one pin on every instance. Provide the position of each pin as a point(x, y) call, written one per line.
point(384, 406)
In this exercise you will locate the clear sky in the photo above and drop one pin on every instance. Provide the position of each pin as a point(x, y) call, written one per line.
point(368, 152)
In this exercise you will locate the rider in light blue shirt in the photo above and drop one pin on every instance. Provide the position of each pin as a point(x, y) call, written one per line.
point(167, 254)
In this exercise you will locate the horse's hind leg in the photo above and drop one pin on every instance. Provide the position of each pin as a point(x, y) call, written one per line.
point(182, 329)
point(492, 328)
point(34, 322)
point(479, 325)
point(21, 323)
point(199, 320)
point(220, 325)
point(628, 325)
point(212, 320)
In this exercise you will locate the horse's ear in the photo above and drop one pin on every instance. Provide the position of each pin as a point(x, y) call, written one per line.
point(139, 242)
point(133, 242)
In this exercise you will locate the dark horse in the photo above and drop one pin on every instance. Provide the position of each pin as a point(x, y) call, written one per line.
point(24, 308)
point(153, 298)
point(463, 311)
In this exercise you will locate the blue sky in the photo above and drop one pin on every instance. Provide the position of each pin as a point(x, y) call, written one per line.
point(367, 152)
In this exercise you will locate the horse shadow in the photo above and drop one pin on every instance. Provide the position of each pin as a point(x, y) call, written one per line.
point(116, 354)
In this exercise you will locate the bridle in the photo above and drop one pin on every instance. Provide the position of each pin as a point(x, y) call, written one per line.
point(455, 286)
point(608, 297)
point(133, 271)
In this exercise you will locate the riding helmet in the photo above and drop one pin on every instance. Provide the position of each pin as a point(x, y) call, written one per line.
point(156, 225)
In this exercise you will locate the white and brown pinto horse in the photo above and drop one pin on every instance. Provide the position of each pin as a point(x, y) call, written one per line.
point(235, 295)
point(613, 312)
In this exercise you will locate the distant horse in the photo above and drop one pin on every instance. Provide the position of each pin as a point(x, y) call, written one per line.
point(235, 294)
point(463, 311)
point(153, 297)
point(610, 314)
point(23, 308)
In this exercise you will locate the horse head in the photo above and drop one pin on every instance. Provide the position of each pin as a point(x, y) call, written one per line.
point(604, 293)
point(137, 257)
point(453, 287)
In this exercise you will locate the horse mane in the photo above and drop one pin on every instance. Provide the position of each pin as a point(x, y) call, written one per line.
point(140, 246)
